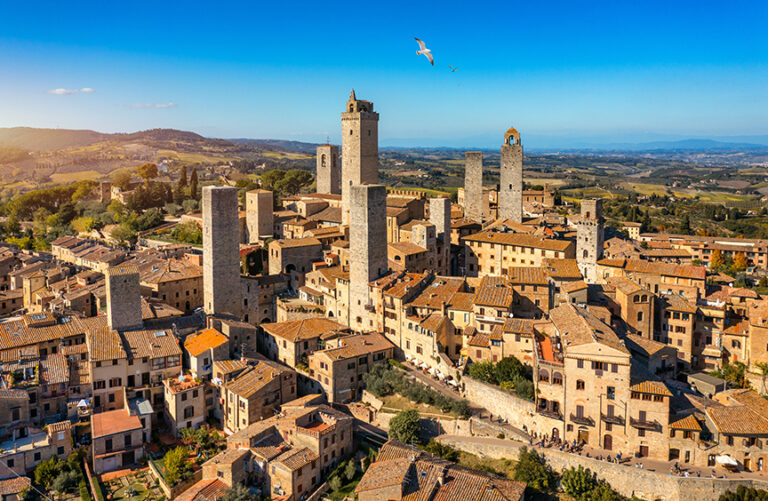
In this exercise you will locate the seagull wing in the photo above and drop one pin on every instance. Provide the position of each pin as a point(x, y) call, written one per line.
point(421, 43)
point(431, 59)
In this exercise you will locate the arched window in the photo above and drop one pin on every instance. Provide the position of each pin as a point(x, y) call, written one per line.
point(579, 384)
point(557, 378)
point(644, 298)
point(636, 299)
point(544, 375)
point(322, 160)
point(586, 253)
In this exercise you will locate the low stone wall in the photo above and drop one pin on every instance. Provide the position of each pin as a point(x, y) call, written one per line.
point(627, 480)
point(430, 426)
point(518, 412)
point(372, 399)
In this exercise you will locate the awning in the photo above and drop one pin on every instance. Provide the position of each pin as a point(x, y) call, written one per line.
point(440, 375)
point(423, 365)
point(431, 370)
point(726, 460)
point(83, 403)
point(453, 383)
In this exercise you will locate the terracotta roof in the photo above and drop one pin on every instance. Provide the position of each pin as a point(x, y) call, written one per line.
point(462, 301)
point(561, 268)
point(519, 239)
point(299, 330)
point(296, 242)
point(577, 326)
point(677, 303)
point(113, 422)
point(14, 485)
point(648, 345)
point(519, 326)
point(206, 340)
point(253, 379)
point(357, 345)
point(526, 275)
point(60, 426)
point(228, 366)
point(574, 286)
point(407, 248)
point(54, 369)
point(204, 490)
point(151, 343)
point(500, 296)
point(105, 344)
point(440, 291)
point(737, 420)
point(434, 322)
point(689, 422)
point(666, 269)
point(651, 387)
point(294, 459)
point(625, 285)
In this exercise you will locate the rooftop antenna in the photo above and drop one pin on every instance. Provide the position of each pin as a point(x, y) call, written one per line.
point(327, 139)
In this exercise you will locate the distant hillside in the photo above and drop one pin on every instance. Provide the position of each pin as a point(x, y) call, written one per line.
point(30, 139)
point(279, 145)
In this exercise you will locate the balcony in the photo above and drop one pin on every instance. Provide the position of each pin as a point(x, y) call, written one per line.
point(371, 308)
point(587, 421)
point(645, 424)
point(554, 414)
point(617, 420)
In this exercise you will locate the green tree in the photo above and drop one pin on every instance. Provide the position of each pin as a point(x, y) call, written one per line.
point(147, 172)
point(123, 234)
point(763, 283)
point(183, 177)
point(271, 178)
point(578, 482)
point(405, 427)
point(483, 371)
point(193, 184)
point(238, 492)
point(190, 206)
point(533, 470)
point(46, 472)
point(122, 180)
point(84, 224)
point(175, 462)
point(743, 493)
point(65, 481)
point(334, 483)
point(293, 181)
point(508, 369)
point(444, 451)
point(350, 470)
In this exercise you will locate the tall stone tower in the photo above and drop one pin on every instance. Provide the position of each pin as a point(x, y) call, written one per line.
point(328, 172)
point(359, 148)
point(589, 238)
point(440, 216)
point(123, 298)
point(511, 178)
point(473, 186)
point(367, 248)
point(259, 207)
point(221, 251)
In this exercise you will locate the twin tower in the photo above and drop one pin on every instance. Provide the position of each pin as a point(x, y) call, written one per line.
point(510, 182)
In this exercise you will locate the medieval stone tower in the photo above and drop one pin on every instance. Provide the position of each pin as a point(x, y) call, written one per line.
point(473, 186)
point(359, 148)
point(328, 172)
point(511, 178)
point(123, 298)
point(440, 216)
point(367, 248)
point(221, 251)
point(258, 214)
point(589, 238)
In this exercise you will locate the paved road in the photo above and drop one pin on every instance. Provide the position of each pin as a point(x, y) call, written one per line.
point(661, 467)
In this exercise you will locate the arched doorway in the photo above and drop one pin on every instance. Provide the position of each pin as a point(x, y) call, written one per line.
point(555, 433)
point(583, 435)
point(608, 442)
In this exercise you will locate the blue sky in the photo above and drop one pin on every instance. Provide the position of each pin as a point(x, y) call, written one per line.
point(561, 72)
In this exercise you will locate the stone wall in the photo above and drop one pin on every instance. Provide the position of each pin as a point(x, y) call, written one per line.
point(431, 426)
point(511, 183)
point(221, 251)
point(627, 480)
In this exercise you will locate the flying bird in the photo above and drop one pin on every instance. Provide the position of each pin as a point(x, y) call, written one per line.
point(453, 68)
point(425, 52)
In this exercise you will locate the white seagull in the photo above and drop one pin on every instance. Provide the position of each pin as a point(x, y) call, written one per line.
point(424, 51)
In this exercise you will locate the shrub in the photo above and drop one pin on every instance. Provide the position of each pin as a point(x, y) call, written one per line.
point(84, 494)
point(483, 371)
point(444, 451)
point(176, 465)
point(578, 482)
point(405, 427)
point(334, 483)
point(350, 469)
point(533, 470)
point(65, 481)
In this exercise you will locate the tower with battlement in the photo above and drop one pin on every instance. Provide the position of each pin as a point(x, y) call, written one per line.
point(328, 172)
point(589, 238)
point(367, 249)
point(511, 178)
point(259, 207)
point(221, 251)
point(359, 148)
point(123, 298)
point(473, 186)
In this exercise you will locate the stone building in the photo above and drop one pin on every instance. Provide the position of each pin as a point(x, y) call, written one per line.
point(291, 342)
point(184, 403)
point(294, 257)
point(328, 173)
point(473, 186)
point(117, 440)
point(123, 298)
point(367, 247)
point(221, 256)
point(359, 148)
point(440, 216)
point(259, 207)
point(340, 367)
point(589, 238)
point(511, 177)
point(493, 253)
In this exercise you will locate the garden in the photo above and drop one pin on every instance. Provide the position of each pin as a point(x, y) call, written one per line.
point(138, 486)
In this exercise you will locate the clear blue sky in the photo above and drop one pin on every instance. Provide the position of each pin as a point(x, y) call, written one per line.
point(559, 71)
